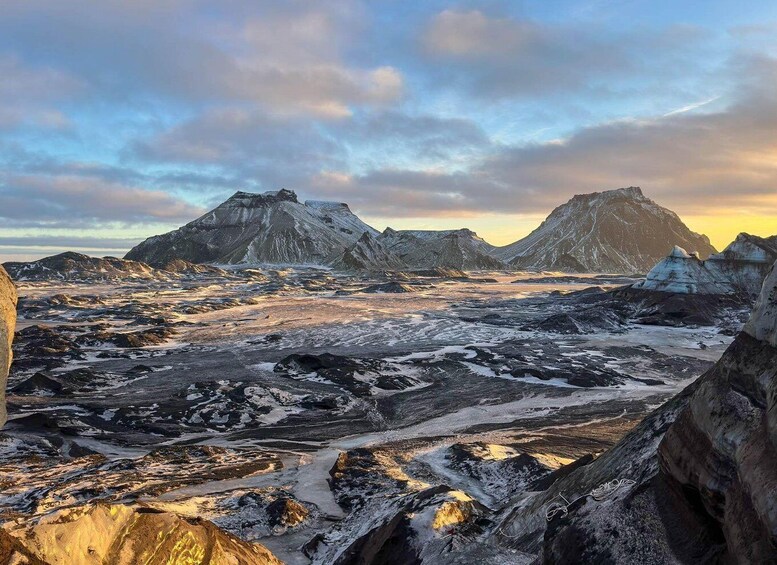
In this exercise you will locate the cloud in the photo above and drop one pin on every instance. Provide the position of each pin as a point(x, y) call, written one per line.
point(696, 163)
point(264, 152)
point(257, 150)
point(283, 57)
point(29, 95)
point(511, 58)
point(71, 201)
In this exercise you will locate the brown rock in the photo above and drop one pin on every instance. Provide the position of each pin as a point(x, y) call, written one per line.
point(7, 327)
point(125, 535)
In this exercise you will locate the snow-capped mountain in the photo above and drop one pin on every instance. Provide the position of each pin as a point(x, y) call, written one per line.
point(739, 269)
point(273, 227)
point(455, 249)
point(617, 231)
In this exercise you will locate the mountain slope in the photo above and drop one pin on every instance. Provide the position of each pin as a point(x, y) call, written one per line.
point(454, 249)
point(368, 254)
point(273, 227)
point(614, 231)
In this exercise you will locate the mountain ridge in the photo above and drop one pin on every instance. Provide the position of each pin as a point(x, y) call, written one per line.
point(617, 230)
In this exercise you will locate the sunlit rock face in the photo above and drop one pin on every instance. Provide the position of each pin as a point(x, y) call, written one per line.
point(616, 231)
point(273, 227)
point(7, 326)
point(126, 535)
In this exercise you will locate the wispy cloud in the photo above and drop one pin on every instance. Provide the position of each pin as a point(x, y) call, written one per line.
point(692, 106)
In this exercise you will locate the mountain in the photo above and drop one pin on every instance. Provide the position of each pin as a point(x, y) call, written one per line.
point(7, 326)
point(273, 227)
point(453, 249)
point(616, 231)
point(739, 269)
point(368, 254)
point(703, 472)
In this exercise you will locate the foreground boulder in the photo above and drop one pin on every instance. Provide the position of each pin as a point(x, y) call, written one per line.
point(7, 326)
point(707, 493)
point(126, 535)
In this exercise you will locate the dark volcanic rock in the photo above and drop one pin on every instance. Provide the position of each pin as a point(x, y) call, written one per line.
point(707, 492)
point(39, 384)
point(388, 288)
point(286, 512)
point(617, 231)
point(358, 376)
point(79, 267)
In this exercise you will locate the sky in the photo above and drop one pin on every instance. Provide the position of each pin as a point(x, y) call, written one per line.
point(122, 120)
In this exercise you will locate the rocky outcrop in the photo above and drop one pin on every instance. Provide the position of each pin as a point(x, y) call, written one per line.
point(704, 464)
point(125, 535)
point(739, 270)
point(616, 231)
point(684, 273)
point(7, 327)
point(72, 266)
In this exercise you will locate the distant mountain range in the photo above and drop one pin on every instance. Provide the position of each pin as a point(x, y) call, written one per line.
point(619, 231)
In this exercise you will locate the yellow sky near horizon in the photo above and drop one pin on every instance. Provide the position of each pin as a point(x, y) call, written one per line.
point(502, 229)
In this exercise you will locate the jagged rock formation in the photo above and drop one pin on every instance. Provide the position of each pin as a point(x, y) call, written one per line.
point(617, 231)
point(705, 467)
point(7, 326)
point(71, 266)
point(450, 249)
point(745, 263)
point(684, 273)
point(125, 535)
point(273, 227)
point(368, 254)
point(738, 270)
